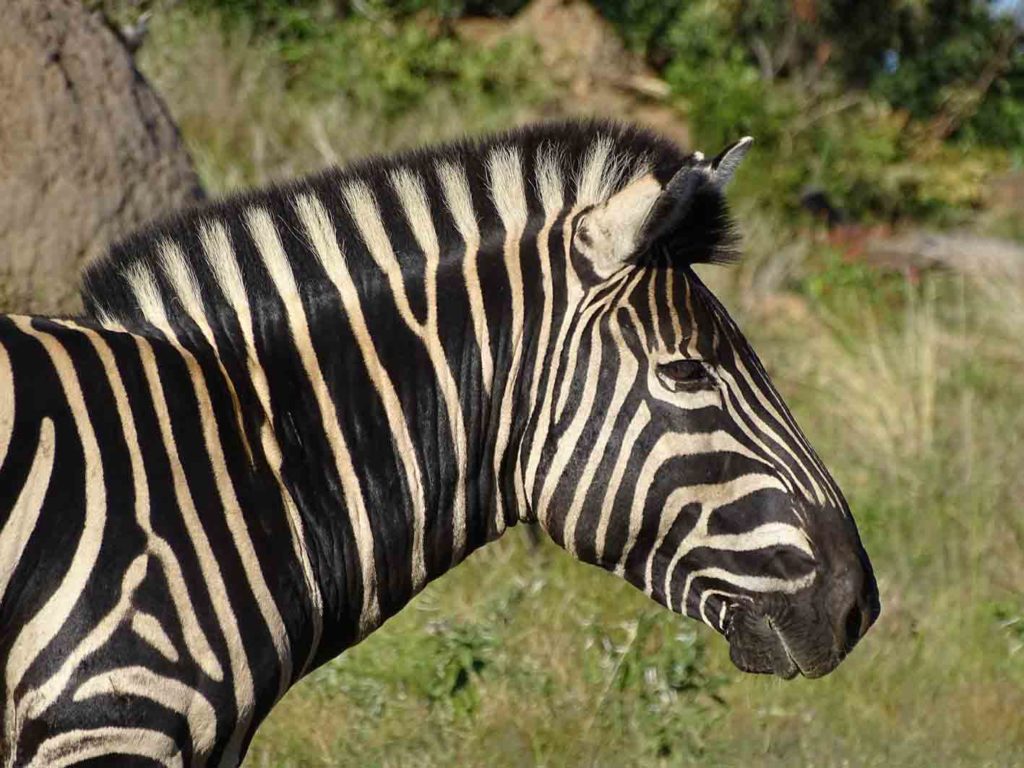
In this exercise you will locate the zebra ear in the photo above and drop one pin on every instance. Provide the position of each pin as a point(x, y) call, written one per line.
point(611, 233)
point(634, 217)
point(728, 160)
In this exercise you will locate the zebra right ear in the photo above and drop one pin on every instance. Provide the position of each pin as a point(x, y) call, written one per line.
point(728, 160)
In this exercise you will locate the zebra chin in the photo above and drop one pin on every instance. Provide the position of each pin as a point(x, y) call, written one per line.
point(758, 646)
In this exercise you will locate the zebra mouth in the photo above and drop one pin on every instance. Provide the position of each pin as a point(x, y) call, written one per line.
point(791, 671)
point(758, 645)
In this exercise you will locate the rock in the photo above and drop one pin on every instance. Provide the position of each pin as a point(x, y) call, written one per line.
point(1005, 194)
point(963, 252)
point(582, 52)
point(88, 151)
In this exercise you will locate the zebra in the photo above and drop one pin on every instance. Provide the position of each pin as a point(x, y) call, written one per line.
point(284, 413)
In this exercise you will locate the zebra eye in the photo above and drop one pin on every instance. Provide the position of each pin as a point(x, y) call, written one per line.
point(685, 375)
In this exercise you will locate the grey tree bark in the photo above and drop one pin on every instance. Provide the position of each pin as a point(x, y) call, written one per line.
point(88, 152)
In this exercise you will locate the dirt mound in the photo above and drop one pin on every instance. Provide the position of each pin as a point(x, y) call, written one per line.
point(87, 150)
point(581, 52)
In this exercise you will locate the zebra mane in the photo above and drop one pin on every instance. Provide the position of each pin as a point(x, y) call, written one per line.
point(593, 158)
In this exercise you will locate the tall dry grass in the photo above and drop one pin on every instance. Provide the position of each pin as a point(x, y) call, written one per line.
point(247, 123)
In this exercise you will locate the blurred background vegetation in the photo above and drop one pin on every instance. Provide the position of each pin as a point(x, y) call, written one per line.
point(883, 285)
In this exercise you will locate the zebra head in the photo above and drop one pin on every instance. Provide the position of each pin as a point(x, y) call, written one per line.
point(667, 455)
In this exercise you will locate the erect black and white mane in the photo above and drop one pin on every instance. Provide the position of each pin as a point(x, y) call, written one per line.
point(592, 159)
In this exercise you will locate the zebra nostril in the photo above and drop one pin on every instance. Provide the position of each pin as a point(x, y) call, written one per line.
point(854, 627)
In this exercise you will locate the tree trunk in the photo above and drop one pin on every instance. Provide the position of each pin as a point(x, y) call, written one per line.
point(88, 151)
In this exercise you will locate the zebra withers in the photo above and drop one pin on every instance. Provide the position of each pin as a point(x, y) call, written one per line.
point(289, 411)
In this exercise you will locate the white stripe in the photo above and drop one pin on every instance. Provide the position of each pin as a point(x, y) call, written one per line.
point(148, 627)
point(702, 606)
point(460, 205)
point(22, 519)
point(691, 342)
point(165, 691)
point(221, 256)
point(637, 424)
point(673, 310)
point(37, 633)
point(549, 187)
point(7, 399)
point(78, 746)
point(658, 342)
point(597, 174)
point(268, 242)
point(507, 189)
point(762, 584)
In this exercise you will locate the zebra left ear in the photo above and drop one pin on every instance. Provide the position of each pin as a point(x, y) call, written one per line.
point(631, 219)
point(634, 217)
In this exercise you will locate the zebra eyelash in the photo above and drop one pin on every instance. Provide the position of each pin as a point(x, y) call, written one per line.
point(686, 375)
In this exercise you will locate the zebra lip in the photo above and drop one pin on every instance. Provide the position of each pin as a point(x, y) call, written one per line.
point(816, 668)
point(794, 666)
point(757, 645)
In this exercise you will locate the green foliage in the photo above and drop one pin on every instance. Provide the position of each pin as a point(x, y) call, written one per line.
point(443, 668)
point(260, 106)
point(655, 673)
point(649, 671)
point(278, 16)
point(839, 94)
point(1000, 117)
point(942, 45)
point(646, 25)
point(380, 58)
point(392, 66)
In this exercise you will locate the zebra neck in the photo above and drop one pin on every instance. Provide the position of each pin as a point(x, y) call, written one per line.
point(432, 412)
point(397, 415)
point(384, 379)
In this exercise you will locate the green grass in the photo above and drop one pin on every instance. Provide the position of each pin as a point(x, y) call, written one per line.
point(911, 391)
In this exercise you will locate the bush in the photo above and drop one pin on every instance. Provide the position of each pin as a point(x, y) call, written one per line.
point(257, 107)
point(840, 95)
